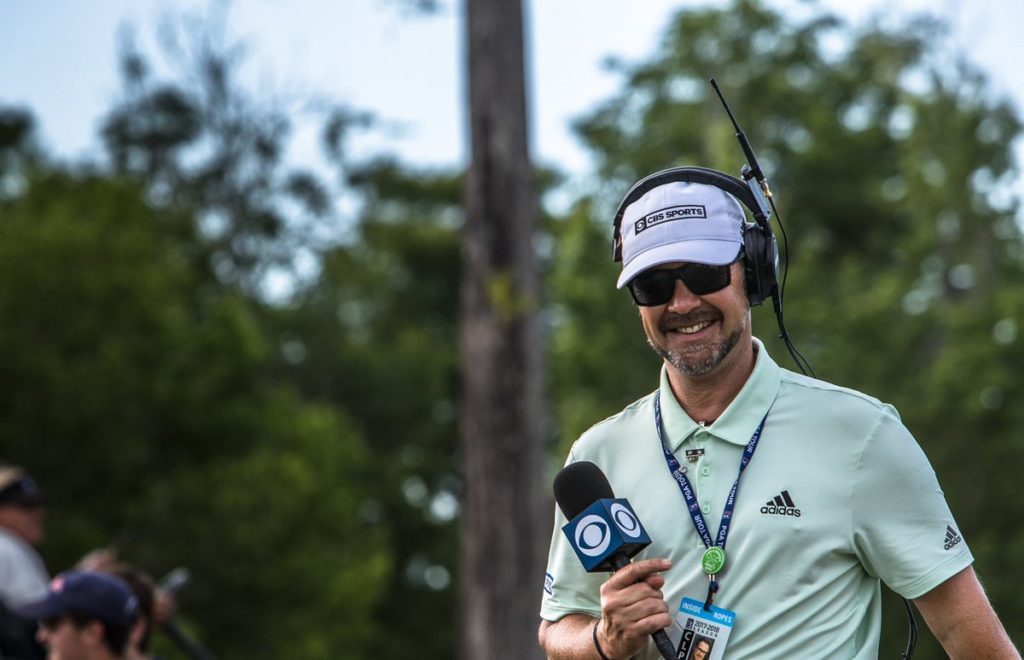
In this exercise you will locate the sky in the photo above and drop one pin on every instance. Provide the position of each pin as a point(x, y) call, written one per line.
point(60, 60)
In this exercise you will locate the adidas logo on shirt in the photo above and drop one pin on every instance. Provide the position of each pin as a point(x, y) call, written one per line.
point(952, 537)
point(781, 505)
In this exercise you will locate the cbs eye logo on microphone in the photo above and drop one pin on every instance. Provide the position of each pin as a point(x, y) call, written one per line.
point(605, 528)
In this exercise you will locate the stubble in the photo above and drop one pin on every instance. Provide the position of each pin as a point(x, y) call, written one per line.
point(702, 359)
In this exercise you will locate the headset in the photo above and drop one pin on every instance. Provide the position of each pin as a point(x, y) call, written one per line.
point(760, 250)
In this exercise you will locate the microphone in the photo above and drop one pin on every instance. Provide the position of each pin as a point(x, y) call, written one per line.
point(604, 531)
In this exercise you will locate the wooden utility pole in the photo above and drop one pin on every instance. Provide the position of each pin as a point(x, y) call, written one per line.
point(502, 418)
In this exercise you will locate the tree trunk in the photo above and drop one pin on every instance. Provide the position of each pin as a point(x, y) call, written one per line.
point(502, 408)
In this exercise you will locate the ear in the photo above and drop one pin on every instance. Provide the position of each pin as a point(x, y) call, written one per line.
point(92, 633)
point(137, 633)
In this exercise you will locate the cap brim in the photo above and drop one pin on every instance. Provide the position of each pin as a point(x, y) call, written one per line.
point(711, 252)
point(46, 608)
point(37, 499)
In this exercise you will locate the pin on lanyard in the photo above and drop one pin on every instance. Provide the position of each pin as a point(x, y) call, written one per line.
point(713, 559)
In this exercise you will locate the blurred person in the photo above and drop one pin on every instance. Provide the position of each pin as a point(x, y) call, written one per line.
point(23, 575)
point(838, 498)
point(156, 606)
point(85, 615)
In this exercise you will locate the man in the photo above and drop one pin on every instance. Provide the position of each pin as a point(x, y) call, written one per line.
point(85, 616)
point(23, 576)
point(835, 494)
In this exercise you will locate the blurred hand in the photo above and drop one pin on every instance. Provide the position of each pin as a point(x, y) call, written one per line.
point(164, 607)
point(100, 559)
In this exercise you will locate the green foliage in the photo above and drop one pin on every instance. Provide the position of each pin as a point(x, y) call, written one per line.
point(139, 394)
point(279, 531)
point(376, 335)
point(203, 144)
point(247, 420)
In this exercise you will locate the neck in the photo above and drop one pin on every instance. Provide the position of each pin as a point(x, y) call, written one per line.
point(706, 397)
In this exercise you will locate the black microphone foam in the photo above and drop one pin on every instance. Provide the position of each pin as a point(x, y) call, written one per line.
point(578, 485)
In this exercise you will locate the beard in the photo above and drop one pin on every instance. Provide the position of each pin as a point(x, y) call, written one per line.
point(696, 360)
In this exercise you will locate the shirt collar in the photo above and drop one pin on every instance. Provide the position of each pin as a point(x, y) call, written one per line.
point(739, 421)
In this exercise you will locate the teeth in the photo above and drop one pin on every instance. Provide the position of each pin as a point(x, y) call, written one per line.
point(691, 329)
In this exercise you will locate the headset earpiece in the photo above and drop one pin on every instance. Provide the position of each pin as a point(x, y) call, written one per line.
point(760, 263)
point(760, 253)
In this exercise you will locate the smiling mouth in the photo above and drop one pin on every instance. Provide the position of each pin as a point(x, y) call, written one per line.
point(692, 329)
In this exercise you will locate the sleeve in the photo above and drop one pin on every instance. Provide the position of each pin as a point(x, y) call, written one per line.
point(568, 589)
point(22, 577)
point(903, 531)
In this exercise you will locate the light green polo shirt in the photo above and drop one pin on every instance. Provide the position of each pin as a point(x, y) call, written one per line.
point(803, 580)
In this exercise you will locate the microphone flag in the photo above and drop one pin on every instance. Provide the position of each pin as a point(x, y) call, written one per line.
point(604, 529)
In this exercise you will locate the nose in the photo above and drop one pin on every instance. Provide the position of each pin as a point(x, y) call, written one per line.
point(683, 300)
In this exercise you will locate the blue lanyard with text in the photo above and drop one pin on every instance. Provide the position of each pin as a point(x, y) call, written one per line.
point(714, 555)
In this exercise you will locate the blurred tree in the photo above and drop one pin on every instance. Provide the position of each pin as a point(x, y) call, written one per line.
point(375, 335)
point(201, 142)
point(891, 163)
point(502, 414)
point(18, 150)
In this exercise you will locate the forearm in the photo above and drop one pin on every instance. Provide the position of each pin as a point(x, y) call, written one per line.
point(961, 618)
point(569, 638)
point(978, 637)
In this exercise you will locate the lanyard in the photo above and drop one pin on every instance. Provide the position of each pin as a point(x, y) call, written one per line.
point(714, 555)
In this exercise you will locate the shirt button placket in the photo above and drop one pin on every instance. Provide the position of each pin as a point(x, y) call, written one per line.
point(705, 470)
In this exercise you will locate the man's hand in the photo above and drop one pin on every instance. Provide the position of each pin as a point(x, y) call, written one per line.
point(632, 607)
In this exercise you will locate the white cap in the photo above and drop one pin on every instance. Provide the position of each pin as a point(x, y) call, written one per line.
point(680, 222)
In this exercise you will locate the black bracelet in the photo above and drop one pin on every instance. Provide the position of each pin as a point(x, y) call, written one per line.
point(597, 644)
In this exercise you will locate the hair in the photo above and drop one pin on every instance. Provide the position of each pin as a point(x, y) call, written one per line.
point(114, 636)
point(145, 592)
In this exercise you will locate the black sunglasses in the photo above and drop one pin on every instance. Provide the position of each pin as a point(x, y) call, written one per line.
point(656, 287)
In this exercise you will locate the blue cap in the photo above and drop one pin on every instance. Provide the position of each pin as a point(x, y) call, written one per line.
point(94, 595)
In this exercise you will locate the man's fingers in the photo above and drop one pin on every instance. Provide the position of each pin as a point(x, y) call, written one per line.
point(643, 609)
point(652, 623)
point(627, 628)
point(637, 571)
point(633, 606)
point(655, 581)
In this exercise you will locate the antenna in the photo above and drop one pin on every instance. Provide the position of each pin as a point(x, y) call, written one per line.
point(754, 177)
point(750, 172)
point(754, 170)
